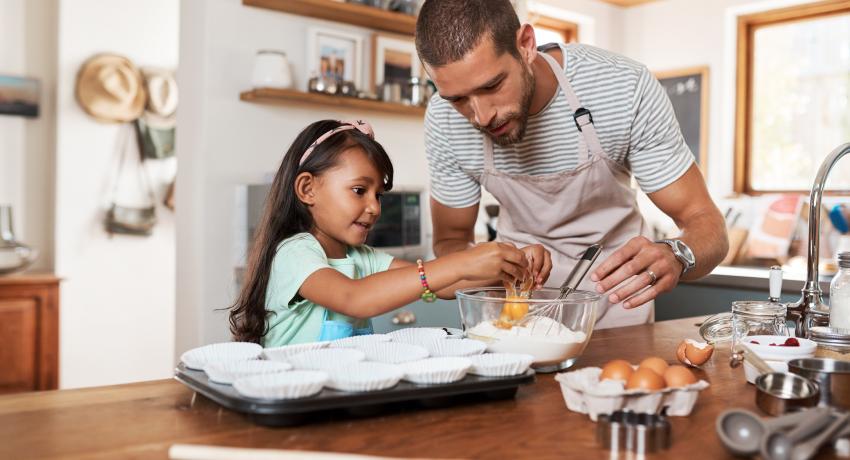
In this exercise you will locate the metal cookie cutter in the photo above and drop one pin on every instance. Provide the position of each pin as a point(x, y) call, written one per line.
point(633, 432)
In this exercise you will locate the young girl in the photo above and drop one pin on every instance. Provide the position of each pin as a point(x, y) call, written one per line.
point(309, 275)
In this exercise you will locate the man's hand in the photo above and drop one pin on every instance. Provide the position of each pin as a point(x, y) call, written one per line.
point(539, 262)
point(642, 259)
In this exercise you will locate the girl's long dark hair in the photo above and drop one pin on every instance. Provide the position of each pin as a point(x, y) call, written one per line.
point(285, 215)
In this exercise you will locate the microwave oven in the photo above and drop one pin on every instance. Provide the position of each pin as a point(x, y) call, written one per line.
point(401, 231)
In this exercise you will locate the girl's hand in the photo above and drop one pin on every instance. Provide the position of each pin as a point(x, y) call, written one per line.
point(539, 262)
point(493, 260)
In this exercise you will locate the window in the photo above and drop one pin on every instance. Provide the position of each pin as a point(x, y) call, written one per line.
point(793, 97)
point(551, 30)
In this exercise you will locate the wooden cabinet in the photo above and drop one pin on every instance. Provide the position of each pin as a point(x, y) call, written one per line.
point(29, 333)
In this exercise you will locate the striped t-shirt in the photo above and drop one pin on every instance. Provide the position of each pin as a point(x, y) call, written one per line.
point(631, 112)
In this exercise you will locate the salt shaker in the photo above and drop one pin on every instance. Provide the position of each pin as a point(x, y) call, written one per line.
point(271, 70)
point(839, 294)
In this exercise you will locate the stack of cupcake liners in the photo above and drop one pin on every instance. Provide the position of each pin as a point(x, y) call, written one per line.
point(227, 372)
point(197, 358)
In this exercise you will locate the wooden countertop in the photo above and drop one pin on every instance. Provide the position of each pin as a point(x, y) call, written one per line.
point(142, 420)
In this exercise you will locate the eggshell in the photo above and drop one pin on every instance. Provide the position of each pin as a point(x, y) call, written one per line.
point(680, 354)
point(679, 376)
point(694, 354)
point(617, 369)
point(645, 379)
point(656, 364)
point(698, 352)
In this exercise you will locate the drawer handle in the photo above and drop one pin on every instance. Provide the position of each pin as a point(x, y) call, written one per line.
point(404, 317)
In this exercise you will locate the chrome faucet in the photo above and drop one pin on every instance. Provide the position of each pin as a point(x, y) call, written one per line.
point(810, 310)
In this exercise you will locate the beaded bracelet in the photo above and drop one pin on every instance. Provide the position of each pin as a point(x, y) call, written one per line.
point(427, 294)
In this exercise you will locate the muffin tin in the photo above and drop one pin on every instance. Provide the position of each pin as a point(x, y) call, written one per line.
point(331, 404)
point(392, 374)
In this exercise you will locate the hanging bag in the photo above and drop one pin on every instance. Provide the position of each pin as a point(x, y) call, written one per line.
point(130, 220)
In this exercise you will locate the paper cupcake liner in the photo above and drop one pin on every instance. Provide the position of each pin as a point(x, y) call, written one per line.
point(326, 358)
point(393, 352)
point(585, 393)
point(225, 373)
point(358, 340)
point(437, 370)
point(417, 335)
point(500, 364)
point(460, 347)
point(364, 376)
point(197, 358)
point(285, 352)
point(283, 385)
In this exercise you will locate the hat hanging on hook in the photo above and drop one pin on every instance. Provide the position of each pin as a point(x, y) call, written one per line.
point(110, 88)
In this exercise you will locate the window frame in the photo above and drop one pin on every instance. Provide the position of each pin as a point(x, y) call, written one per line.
point(747, 26)
point(569, 30)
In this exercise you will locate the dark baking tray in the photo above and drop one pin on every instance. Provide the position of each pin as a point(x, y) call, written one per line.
point(330, 404)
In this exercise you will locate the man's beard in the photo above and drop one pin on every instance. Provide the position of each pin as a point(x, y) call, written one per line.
point(520, 116)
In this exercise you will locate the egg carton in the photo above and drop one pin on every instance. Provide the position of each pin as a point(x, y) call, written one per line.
point(586, 394)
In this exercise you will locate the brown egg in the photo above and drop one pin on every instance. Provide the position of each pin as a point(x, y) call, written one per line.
point(616, 370)
point(679, 376)
point(645, 379)
point(655, 363)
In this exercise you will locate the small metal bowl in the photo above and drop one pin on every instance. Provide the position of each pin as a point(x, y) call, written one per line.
point(832, 377)
point(781, 392)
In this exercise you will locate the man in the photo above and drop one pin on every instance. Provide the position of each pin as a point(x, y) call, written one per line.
point(555, 135)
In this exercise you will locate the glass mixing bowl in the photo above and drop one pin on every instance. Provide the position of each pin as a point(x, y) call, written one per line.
point(554, 332)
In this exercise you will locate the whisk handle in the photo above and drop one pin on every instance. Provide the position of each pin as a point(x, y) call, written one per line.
point(581, 268)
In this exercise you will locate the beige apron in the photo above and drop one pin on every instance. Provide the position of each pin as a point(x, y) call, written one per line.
point(568, 211)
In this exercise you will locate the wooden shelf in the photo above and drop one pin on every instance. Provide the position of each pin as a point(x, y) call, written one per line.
point(285, 96)
point(349, 13)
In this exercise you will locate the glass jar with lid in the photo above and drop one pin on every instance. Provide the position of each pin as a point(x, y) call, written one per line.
point(832, 342)
point(750, 317)
point(839, 294)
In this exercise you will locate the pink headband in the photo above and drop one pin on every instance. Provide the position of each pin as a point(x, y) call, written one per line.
point(360, 125)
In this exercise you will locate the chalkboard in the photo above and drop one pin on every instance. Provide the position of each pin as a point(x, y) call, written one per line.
point(688, 91)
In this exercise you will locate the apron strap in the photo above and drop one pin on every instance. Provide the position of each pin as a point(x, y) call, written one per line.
point(581, 116)
point(489, 164)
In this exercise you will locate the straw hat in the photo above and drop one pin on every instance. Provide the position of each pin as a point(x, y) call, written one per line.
point(111, 88)
point(162, 91)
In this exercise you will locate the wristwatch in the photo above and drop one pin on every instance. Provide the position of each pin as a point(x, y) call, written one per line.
point(682, 252)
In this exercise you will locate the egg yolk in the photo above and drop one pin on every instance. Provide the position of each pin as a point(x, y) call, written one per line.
point(515, 307)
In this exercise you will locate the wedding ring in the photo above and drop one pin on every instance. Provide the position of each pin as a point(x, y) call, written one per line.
point(652, 277)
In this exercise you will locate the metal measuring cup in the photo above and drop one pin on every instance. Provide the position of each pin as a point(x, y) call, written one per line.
point(776, 392)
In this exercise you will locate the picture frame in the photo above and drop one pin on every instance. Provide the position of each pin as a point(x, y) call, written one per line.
point(335, 53)
point(687, 89)
point(19, 96)
point(396, 56)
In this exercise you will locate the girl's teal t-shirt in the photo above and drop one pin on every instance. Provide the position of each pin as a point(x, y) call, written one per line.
point(297, 320)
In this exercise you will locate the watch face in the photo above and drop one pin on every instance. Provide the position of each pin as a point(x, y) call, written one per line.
point(685, 250)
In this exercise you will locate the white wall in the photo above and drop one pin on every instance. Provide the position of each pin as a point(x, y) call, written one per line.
point(28, 48)
point(224, 142)
point(117, 306)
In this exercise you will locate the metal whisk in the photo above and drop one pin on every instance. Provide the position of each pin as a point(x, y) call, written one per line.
point(555, 311)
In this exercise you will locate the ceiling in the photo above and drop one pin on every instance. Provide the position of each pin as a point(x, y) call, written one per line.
point(627, 3)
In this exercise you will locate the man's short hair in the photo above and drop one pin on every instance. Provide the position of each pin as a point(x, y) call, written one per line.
point(449, 29)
